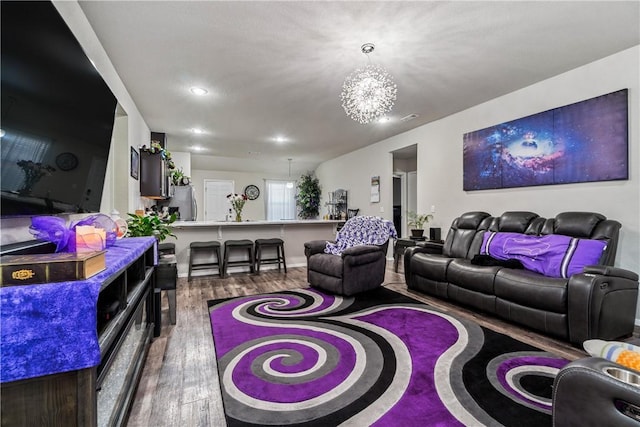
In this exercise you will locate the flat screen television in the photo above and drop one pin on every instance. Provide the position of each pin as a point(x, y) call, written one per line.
point(57, 116)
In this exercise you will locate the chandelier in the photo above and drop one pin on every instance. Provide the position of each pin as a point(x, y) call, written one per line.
point(368, 93)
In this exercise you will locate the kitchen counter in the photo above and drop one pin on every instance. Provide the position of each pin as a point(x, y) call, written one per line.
point(180, 224)
point(294, 233)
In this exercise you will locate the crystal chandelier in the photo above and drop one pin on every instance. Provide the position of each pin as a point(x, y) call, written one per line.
point(368, 93)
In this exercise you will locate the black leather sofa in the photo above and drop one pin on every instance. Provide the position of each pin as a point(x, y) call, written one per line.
point(600, 302)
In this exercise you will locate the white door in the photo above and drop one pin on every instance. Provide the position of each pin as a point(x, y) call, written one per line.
point(412, 191)
point(216, 204)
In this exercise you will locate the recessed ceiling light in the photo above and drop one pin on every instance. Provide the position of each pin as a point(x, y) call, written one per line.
point(384, 119)
point(198, 91)
point(279, 139)
point(197, 148)
point(197, 131)
point(409, 117)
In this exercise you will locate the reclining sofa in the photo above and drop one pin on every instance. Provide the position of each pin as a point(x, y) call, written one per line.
point(598, 301)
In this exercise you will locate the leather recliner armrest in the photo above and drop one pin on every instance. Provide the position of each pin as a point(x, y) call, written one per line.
point(607, 270)
point(362, 255)
point(601, 303)
point(314, 247)
point(585, 395)
point(361, 250)
point(431, 247)
point(411, 251)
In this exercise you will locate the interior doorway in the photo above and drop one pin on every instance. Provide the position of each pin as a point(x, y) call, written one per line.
point(405, 165)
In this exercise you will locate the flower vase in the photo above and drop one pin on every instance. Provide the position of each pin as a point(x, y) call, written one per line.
point(25, 191)
point(27, 187)
point(238, 217)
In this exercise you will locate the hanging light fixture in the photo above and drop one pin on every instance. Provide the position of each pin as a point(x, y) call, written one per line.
point(289, 183)
point(368, 93)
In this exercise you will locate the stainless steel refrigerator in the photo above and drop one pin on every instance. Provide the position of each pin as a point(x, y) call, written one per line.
point(184, 199)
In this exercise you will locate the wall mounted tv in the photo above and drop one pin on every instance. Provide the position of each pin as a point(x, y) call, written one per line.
point(57, 116)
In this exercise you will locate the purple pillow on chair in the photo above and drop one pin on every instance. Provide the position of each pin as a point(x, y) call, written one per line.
point(553, 255)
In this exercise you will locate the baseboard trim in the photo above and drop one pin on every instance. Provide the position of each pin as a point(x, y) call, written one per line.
point(244, 269)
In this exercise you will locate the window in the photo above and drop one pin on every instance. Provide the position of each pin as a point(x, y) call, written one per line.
point(18, 146)
point(280, 200)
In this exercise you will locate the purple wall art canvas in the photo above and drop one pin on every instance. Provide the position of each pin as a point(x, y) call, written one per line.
point(582, 142)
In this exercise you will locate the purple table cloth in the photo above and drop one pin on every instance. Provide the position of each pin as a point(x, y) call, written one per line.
point(51, 328)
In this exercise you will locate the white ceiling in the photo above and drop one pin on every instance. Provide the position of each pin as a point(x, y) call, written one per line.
point(276, 68)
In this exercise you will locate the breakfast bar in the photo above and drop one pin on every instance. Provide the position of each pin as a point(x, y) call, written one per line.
point(293, 232)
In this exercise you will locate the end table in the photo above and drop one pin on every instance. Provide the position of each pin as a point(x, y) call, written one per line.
point(400, 246)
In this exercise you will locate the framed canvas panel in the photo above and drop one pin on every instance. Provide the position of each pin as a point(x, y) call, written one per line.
point(135, 163)
point(582, 142)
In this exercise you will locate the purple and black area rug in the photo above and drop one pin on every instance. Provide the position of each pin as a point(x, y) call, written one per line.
point(380, 358)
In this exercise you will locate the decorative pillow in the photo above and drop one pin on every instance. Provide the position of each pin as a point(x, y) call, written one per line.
point(362, 230)
point(619, 352)
point(553, 255)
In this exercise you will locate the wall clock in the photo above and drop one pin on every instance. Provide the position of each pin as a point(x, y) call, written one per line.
point(67, 161)
point(252, 192)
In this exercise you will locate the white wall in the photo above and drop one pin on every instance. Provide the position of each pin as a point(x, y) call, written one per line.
point(353, 172)
point(182, 161)
point(440, 158)
point(253, 209)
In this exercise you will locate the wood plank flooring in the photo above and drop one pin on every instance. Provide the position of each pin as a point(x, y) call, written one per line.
point(179, 385)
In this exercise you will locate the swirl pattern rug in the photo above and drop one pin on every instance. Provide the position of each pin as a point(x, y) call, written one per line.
point(380, 358)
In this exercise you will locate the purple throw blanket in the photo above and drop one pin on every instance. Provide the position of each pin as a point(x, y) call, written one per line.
point(362, 230)
point(51, 328)
point(552, 255)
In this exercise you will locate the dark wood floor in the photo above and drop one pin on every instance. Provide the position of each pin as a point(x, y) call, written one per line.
point(179, 385)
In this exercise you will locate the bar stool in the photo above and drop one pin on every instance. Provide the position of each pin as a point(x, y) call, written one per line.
point(278, 245)
point(238, 245)
point(166, 248)
point(166, 277)
point(210, 248)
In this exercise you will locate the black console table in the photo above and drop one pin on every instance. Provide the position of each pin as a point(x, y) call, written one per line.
point(73, 352)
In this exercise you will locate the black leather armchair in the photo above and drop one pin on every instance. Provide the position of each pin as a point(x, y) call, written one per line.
point(596, 392)
point(359, 267)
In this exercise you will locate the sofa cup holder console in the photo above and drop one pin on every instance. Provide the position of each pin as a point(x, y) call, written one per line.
point(623, 375)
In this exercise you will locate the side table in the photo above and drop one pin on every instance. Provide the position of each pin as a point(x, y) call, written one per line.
point(400, 246)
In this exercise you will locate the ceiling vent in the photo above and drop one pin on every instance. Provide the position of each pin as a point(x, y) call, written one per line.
point(409, 117)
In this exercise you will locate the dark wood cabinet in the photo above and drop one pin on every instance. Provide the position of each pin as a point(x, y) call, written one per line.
point(154, 176)
point(160, 138)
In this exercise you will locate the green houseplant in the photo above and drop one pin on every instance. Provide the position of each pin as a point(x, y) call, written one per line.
point(178, 177)
point(416, 222)
point(150, 225)
point(308, 197)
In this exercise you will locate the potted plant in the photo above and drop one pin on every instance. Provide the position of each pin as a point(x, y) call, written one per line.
point(417, 221)
point(150, 225)
point(308, 198)
point(178, 177)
